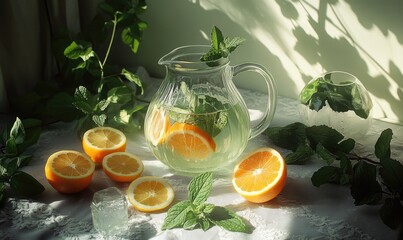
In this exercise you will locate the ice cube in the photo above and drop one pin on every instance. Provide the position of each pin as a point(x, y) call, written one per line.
point(109, 212)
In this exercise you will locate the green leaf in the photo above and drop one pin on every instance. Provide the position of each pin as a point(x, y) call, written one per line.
point(391, 213)
point(17, 132)
point(392, 175)
point(232, 44)
point(200, 187)
point(11, 147)
point(216, 38)
point(326, 174)
point(133, 78)
point(15, 163)
point(324, 154)
point(131, 35)
point(365, 189)
point(191, 221)
point(382, 146)
point(325, 135)
point(346, 145)
point(80, 49)
point(25, 185)
point(177, 215)
point(99, 120)
point(120, 94)
point(102, 105)
point(289, 137)
point(82, 94)
point(300, 156)
point(228, 220)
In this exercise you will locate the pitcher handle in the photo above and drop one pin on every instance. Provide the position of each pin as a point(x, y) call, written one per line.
point(271, 91)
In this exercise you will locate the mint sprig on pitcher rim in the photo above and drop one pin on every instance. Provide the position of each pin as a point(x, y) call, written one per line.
point(195, 213)
point(221, 47)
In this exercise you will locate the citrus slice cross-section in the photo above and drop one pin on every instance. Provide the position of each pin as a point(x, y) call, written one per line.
point(150, 194)
point(189, 141)
point(158, 126)
point(69, 171)
point(260, 176)
point(101, 141)
point(122, 166)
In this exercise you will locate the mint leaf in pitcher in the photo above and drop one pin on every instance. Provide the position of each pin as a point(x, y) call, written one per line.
point(221, 47)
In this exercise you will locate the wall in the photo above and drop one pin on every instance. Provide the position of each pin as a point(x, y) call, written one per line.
point(296, 40)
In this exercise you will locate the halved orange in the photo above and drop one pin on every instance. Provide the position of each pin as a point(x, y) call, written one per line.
point(260, 176)
point(101, 141)
point(150, 194)
point(122, 166)
point(189, 141)
point(158, 126)
point(69, 171)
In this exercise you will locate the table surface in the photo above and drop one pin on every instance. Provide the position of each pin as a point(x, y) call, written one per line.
point(301, 211)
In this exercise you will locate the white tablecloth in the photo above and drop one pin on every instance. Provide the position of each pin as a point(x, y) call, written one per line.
point(301, 211)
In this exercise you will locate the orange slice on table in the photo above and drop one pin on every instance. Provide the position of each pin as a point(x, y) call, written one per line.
point(261, 176)
point(69, 171)
point(189, 141)
point(101, 141)
point(122, 166)
point(150, 194)
point(158, 126)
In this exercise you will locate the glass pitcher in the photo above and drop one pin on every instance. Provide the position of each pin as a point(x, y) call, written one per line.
point(197, 121)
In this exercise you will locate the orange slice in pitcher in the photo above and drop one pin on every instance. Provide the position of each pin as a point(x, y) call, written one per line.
point(261, 176)
point(158, 126)
point(189, 141)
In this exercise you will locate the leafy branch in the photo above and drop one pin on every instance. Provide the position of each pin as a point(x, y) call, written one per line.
point(22, 135)
point(370, 181)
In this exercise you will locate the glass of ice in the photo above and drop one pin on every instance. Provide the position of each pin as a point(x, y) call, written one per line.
point(109, 212)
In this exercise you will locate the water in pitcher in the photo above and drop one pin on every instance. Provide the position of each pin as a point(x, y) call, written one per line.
point(189, 141)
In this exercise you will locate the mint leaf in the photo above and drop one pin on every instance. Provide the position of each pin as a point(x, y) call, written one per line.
point(382, 146)
point(220, 47)
point(24, 184)
point(365, 189)
point(391, 213)
point(324, 154)
point(289, 137)
point(325, 135)
point(200, 187)
point(228, 220)
point(120, 94)
point(392, 175)
point(217, 38)
point(301, 155)
point(326, 174)
point(191, 221)
point(232, 44)
point(99, 120)
point(177, 215)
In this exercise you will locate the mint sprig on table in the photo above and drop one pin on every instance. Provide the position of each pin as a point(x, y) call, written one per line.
point(371, 181)
point(13, 143)
point(196, 213)
point(221, 46)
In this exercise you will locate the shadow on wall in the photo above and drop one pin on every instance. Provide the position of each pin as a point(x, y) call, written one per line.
point(296, 40)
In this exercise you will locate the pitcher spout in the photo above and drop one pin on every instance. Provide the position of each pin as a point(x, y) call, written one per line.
point(189, 58)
